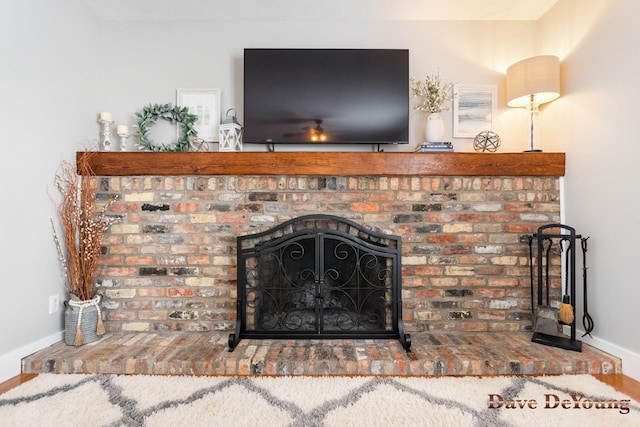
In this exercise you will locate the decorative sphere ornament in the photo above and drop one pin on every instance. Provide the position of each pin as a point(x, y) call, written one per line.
point(486, 141)
point(198, 144)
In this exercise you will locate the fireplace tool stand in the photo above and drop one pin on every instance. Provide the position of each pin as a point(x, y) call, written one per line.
point(556, 239)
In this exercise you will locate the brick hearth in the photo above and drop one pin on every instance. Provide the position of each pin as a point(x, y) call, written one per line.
point(206, 353)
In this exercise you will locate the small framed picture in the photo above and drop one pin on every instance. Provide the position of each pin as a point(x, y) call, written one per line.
point(204, 103)
point(474, 107)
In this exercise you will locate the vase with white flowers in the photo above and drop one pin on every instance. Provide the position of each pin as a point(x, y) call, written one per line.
point(83, 226)
point(434, 94)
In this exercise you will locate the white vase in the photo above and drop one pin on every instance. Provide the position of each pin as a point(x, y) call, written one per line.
point(434, 129)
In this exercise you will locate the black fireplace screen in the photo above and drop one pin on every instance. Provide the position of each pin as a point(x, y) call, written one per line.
point(319, 276)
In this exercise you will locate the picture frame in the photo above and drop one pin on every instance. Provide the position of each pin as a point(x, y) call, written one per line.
point(474, 109)
point(204, 103)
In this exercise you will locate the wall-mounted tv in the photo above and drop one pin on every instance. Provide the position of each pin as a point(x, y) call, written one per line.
point(311, 96)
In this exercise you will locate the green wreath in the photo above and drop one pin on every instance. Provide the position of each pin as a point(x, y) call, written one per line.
point(150, 115)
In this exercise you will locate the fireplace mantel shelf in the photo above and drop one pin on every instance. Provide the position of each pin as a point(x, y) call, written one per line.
point(327, 163)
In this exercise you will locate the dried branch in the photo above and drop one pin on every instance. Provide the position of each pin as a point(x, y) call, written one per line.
point(434, 93)
point(83, 226)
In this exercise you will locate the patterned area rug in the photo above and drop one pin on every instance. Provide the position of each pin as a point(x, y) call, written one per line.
point(95, 400)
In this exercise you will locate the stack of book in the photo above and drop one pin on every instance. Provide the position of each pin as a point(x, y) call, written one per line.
point(435, 146)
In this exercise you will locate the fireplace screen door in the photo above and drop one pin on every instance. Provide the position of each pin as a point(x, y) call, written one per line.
point(319, 276)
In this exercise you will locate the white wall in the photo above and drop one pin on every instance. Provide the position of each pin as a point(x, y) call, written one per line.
point(49, 86)
point(154, 59)
point(595, 122)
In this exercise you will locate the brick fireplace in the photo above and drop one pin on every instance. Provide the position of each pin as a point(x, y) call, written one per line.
point(169, 269)
point(169, 265)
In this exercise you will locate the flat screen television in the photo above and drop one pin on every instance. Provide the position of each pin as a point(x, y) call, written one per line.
point(311, 96)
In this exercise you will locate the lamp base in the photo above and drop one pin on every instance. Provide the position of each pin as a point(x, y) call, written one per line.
point(532, 151)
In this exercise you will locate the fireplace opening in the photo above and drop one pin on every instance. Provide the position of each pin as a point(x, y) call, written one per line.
point(319, 276)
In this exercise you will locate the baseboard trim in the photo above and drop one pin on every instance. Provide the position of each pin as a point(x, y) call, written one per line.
point(630, 360)
point(11, 363)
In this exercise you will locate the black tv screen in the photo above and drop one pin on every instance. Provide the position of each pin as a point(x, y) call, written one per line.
point(326, 96)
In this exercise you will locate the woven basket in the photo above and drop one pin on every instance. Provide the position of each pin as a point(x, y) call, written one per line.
point(82, 321)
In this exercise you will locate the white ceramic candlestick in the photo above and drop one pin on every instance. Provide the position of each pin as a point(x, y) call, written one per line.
point(123, 141)
point(106, 133)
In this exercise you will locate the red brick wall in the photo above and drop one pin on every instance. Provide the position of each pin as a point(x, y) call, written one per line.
point(170, 264)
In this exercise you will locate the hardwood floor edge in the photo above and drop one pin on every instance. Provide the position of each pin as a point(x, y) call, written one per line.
point(15, 382)
point(621, 383)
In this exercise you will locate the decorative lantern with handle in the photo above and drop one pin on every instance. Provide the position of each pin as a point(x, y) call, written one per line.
point(230, 133)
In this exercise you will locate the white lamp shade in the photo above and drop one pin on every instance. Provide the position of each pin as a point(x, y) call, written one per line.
point(534, 80)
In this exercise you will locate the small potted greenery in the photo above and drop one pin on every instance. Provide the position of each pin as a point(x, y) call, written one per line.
point(434, 93)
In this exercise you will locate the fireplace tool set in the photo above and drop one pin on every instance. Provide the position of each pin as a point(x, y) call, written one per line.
point(557, 241)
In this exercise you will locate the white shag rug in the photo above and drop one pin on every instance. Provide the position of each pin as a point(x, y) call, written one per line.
point(111, 400)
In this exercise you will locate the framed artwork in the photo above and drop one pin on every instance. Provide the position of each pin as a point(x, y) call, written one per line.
point(474, 107)
point(204, 103)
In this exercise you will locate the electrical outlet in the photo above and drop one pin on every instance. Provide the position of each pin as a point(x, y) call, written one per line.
point(54, 303)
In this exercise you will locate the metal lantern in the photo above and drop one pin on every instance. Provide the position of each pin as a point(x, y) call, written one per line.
point(230, 133)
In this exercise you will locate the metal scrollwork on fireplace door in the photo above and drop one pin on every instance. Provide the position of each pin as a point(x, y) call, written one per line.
point(312, 282)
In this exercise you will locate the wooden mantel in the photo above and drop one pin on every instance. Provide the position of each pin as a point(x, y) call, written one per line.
point(327, 163)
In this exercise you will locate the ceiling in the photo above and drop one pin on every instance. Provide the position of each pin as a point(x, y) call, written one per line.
point(288, 10)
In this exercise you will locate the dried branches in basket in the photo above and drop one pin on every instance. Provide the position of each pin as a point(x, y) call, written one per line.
point(83, 226)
